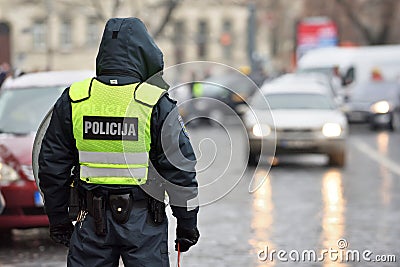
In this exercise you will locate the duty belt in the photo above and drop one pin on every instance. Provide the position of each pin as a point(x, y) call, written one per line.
point(91, 197)
point(120, 205)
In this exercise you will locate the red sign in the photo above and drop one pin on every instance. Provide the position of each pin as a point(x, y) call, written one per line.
point(315, 33)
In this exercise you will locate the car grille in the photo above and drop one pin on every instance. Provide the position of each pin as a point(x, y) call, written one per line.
point(296, 134)
point(357, 106)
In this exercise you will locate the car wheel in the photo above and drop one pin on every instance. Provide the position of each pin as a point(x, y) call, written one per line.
point(6, 235)
point(373, 126)
point(394, 120)
point(391, 125)
point(253, 158)
point(337, 158)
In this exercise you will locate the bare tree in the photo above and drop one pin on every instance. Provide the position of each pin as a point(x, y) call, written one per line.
point(171, 5)
point(100, 12)
point(374, 19)
point(168, 5)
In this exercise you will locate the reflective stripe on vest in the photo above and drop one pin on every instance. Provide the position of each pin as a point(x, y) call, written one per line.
point(113, 172)
point(113, 157)
point(121, 176)
point(111, 126)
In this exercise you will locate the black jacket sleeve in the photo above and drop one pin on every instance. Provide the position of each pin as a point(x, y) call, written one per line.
point(57, 156)
point(169, 143)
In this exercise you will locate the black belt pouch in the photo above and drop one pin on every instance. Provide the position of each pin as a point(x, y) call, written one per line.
point(121, 207)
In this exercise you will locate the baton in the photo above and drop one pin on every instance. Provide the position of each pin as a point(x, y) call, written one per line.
point(178, 260)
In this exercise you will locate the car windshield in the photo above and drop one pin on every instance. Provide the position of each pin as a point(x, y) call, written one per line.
point(294, 101)
point(325, 70)
point(375, 91)
point(214, 90)
point(221, 86)
point(22, 110)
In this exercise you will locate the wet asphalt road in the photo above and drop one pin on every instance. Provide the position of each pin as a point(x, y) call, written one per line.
point(303, 205)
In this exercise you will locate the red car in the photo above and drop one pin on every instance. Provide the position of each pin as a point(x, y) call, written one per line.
point(24, 101)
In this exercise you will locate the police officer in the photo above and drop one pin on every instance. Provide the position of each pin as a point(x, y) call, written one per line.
point(108, 138)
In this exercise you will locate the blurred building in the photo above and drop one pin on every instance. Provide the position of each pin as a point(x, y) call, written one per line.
point(65, 34)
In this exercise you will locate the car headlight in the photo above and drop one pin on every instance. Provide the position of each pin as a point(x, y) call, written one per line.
point(331, 130)
point(261, 130)
point(7, 173)
point(380, 107)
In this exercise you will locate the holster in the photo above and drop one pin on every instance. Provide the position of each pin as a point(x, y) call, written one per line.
point(156, 210)
point(96, 207)
point(155, 192)
point(74, 204)
point(121, 207)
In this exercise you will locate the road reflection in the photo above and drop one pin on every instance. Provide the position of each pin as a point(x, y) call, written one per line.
point(333, 219)
point(382, 139)
point(262, 216)
point(386, 187)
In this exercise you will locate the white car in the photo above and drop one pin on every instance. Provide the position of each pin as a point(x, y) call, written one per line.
point(300, 118)
point(315, 77)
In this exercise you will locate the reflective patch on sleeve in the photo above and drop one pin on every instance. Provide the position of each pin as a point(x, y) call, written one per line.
point(183, 126)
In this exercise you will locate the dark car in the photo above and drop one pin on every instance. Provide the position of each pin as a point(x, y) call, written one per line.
point(376, 103)
point(24, 101)
point(220, 97)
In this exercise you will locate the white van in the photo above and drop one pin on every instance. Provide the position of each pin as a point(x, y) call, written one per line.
point(355, 64)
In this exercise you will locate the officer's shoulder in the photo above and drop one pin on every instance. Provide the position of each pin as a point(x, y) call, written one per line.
point(64, 97)
point(164, 106)
point(167, 101)
point(169, 98)
point(165, 98)
point(80, 90)
point(63, 102)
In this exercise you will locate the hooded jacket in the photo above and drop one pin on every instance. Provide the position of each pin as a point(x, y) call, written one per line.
point(127, 54)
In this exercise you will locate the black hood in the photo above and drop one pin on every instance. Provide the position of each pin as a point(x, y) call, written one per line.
point(127, 49)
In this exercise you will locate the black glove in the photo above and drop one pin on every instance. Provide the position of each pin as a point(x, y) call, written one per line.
point(61, 233)
point(186, 238)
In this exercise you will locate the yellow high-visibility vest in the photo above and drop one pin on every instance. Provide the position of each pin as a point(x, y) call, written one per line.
point(111, 126)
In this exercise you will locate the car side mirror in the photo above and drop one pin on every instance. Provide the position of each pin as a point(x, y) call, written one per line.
point(348, 78)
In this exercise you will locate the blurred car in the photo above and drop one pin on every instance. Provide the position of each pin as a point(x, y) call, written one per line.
point(24, 101)
point(220, 96)
point(376, 103)
point(315, 77)
point(300, 118)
